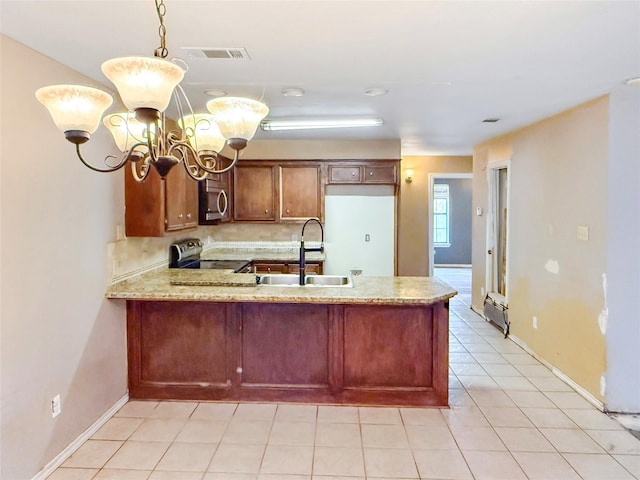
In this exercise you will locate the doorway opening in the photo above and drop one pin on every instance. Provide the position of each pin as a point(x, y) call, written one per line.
point(449, 233)
point(496, 303)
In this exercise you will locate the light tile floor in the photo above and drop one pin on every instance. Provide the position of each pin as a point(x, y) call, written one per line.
point(510, 419)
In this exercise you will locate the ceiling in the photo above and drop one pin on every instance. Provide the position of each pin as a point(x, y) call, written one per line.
point(447, 65)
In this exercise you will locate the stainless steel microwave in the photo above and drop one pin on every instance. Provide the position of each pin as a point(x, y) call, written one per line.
point(214, 202)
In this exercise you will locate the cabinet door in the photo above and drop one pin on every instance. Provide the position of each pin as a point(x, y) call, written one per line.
point(254, 193)
point(309, 268)
point(181, 200)
point(300, 192)
point(144, 213)
point(269, 267)
point(344, 174)
point(380, 174)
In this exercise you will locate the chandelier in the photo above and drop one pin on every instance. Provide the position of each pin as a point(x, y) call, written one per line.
point(146, 86)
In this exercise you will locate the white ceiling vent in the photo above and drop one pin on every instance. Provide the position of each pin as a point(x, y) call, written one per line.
point(216, 53)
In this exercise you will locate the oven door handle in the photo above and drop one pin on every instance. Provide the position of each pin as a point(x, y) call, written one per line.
point(222, 194)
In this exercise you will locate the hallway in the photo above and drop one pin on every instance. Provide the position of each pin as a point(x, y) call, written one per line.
point(510, 419)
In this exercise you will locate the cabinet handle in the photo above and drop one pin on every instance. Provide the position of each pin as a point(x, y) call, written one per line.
point(222, 196)
point(371, 174)
point(353, 174)
point(287, 210)
point(266, 211)
point(188, 215)
point(180, 216)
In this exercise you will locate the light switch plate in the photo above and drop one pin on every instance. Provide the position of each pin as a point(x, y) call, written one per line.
point(583, 233)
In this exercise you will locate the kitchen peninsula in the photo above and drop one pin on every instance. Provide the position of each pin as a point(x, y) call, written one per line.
point(383, 341)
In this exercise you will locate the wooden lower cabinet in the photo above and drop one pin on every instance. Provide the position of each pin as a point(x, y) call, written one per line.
point(261, 266)
point(343, 354)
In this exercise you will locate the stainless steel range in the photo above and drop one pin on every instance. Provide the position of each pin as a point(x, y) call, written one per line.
point(186, 254)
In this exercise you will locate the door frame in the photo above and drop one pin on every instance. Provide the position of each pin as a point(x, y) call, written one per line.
point(491, 233)
point(432, 177)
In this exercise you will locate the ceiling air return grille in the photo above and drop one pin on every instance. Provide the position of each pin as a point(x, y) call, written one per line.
point(217, 53)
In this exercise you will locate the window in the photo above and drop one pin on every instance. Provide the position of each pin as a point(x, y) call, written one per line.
point(441, 215)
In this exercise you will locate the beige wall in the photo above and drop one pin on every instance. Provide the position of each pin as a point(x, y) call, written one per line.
point(413, 217)
point(558, 181)
point(58, 335)
point(322, 149)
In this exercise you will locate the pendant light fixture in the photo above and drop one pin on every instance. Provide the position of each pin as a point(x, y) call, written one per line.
point(146, 86)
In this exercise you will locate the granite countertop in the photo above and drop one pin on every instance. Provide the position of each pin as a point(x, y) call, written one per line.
point(225, 286)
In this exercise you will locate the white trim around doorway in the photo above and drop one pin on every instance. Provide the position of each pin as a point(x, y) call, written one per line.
point(432, 177)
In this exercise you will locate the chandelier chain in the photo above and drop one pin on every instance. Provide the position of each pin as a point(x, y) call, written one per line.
point(161, 51)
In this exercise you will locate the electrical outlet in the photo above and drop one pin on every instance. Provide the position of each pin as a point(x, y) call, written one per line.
point(56, 406)
point(535, 323)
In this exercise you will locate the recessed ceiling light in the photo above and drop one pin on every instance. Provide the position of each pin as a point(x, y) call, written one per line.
point(376, 91)
point(633, 81)
point(490, 120)
point(292, 92)
point(214, 92)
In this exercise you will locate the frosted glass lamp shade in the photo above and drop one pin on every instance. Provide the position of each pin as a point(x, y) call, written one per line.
point(74, 107)
point(202, 131)
point(126, 130)
point(237, 117)
point(143, 82)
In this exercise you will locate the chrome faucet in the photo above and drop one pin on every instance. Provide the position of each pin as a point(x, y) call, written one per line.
point(303, 250)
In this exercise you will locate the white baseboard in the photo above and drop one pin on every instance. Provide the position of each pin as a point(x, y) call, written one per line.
point(86, 435)
point(558, 373)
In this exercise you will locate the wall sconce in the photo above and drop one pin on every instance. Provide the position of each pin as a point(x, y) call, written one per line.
point(408, 175)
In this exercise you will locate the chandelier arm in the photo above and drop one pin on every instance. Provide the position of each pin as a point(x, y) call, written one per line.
point(227, 168)
point(144, 170)
point(149, 143)
point(121, 163)
point(194, 171)
point(196, 176)
point(198, 160)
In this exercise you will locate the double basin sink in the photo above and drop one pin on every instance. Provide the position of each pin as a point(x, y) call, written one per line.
point(286, 280)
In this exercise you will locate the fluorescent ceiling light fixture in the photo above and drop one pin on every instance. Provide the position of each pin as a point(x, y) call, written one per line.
point(275, 125)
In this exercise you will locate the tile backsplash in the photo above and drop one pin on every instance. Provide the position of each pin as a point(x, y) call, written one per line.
point(134, 255)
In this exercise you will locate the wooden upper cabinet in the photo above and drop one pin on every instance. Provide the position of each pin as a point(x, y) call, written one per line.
point(345, 174)
point(380, 174)
point(156, 206)
point(181, 200)
point(300, 192)
point(254, 192)
point(363, 172)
